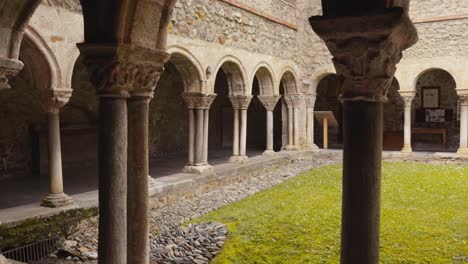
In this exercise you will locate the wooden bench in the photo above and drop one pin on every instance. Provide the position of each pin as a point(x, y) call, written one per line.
point(439, 131)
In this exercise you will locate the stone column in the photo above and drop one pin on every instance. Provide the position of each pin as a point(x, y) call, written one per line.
point(121, 73)
point(463, 149)
point(407, 97)
point(200, 104)
point(365, 57)
point(310, 104)
point(148, 67)
point(269, 102)
point(240, 104)
point(293, 102)
point(56, 196)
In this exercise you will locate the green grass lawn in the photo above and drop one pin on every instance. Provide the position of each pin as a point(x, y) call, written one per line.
point(424, 218)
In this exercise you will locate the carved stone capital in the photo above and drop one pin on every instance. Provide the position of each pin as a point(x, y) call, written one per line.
point(123, 70)
point(269, 101)
point(366, 50)
point(198, 100)
point(463, 96)
point(407, 97)
point(294, 100)
point(309, 100)
point(56, 99)
point(8, 69)
point(240, 101)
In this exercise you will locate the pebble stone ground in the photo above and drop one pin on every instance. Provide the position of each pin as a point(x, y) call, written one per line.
point(168, 237)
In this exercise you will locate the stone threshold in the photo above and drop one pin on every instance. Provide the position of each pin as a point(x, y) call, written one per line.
point(165, 190)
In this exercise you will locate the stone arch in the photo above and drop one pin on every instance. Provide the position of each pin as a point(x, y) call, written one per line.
point(319, 75)
point(433, 77)
point(34, 44)
point(289, 80)
point(421, 73)
point(265, 76)
point(235, 73)
point(190, 69)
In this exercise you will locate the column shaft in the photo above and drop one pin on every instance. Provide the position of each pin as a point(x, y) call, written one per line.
point(310, 126)
point(138, 171)
point(191, 120)
point(290, 127)
point(55, 153)
point(296, 126)
point(113, 181)
point(205, 135)
point(269, 132)
point(362, 157)
point(243, 133)
point(199, 135)
point(407, 130)
point(463, 130)
point(235, 143)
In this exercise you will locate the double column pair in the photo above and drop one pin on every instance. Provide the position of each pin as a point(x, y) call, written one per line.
point(293, 102)
point(240, 104)
point(125, 77)
point(198, 105)
point(408, 97)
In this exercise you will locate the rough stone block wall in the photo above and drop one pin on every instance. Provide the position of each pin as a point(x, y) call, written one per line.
point(220, 22)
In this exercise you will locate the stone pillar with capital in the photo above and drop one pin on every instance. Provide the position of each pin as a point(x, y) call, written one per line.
point(366, 47)
point(407, 97)
point(310, 105)
point(293, 103)
point(269, 102)
point(198, 105)
point(463, 149)
point(240, 104)
point(122, 73)
point(55, 100)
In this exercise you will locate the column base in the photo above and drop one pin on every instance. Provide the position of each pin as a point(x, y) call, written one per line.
point(268, 152)
point(407, 149)
point(238, 159)
point(291, 147)
point(56, 200)
point(462, 151)
point(312, 147)
point(199, 169)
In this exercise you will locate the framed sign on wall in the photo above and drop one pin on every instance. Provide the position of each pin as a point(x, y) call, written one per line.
point(430, 97)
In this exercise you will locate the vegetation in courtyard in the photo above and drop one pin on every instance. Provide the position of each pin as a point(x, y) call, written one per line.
point(424, 218)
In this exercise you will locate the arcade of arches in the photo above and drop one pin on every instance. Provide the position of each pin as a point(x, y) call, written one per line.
point(132, 105)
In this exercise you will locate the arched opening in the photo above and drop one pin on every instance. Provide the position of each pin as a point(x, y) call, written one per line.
point(328, 91)
point(393, 122)
point(435, 113)
point(23, 122)
point(280, 122)
point(221, 119)
point(256, 122)
point(168, 120)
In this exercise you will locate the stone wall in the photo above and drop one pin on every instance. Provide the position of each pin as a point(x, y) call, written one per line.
point(220, 22)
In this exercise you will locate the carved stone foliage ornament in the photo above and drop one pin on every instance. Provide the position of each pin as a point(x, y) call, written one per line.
point(407, 97)
point(240, 101)
point(269, 101)
point(309, 100)
point(366, 50)
point(294, 100)
point(198, 100)
point(463, 98)
point(8, 68)
point(123, 70)
point(56, 99)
